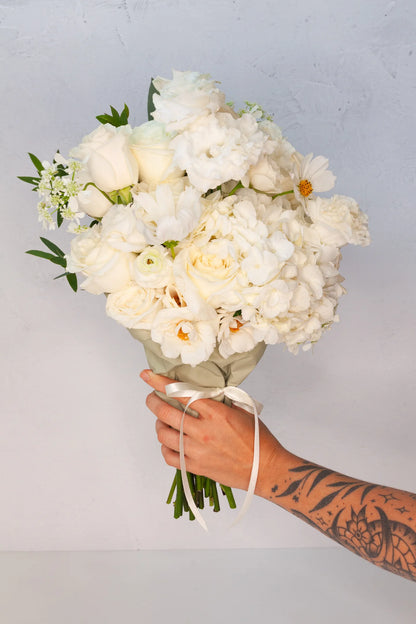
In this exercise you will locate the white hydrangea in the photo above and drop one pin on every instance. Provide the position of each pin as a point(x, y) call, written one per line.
point(218, 148)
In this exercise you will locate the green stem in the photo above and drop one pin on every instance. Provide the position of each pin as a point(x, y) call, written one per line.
point(280, 194)
point(235, 189)
point(179, 496)
point(215, 496)
point(229, 494)
point(172, 491)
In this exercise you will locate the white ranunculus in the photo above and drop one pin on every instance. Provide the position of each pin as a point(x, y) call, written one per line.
point(150, 146)
point(120, 229)
point(106, 268)
point(153, 267)
point(181, 333)
point(260, 266)
point(188, 96)
point(338, 220)
point(166, 214)
point(109, 161)
point(218, 148)
point(210, 271)
point(133, 306)
point(235, 336)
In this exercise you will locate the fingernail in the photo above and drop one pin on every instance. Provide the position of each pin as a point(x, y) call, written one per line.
point(145, 375)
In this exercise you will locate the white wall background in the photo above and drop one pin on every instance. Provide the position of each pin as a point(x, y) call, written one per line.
point(79, 461)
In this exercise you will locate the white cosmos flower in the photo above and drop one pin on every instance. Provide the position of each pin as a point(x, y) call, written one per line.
point(235, 336)
point(218, 148)
point(164, 214)
point(133, 306)
point(185, 98)
point(152, 268)
point(181, 333)
point(311, 175)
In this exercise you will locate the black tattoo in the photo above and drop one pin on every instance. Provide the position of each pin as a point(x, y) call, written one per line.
point(386, 543)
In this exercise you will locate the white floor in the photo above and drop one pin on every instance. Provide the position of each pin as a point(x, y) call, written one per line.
point(320, 585)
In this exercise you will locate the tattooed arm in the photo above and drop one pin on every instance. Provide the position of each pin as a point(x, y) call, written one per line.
point(376, 522)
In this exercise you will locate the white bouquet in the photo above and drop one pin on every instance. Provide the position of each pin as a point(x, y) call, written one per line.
point(207, 235)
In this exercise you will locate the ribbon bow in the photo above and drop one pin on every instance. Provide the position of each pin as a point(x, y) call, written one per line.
point(240, 398)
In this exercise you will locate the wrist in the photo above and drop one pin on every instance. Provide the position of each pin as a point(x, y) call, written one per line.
point(274, 470)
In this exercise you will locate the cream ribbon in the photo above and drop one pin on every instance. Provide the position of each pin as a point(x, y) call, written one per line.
point(240, 398)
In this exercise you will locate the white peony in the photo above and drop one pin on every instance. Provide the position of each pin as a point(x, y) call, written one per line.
point(338, 220)
point(166, 214)
point(106, 268)
point(185, 98)
point(120, 229)
point(218, 148)
point(150, 146)
point(133, 306)
point(152, 268)
point(107, 157)
point(181, 333)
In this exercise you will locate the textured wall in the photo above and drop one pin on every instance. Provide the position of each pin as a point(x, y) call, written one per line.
point(80, 463)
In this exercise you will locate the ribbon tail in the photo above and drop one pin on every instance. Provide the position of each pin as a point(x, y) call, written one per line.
point(186, 488)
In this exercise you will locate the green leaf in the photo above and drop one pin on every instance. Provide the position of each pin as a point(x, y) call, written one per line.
point(47, 256)
point(150, 106)
point(237, 313)
point(52, 247)
point(59, 218)
point(124, 117)
point(29, 179)
point(35, 160)
point(61, 275)
point(72, 281)
point(95, 222)
point(115, 119)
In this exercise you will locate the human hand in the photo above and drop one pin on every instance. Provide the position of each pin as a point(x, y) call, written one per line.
point(218, 444)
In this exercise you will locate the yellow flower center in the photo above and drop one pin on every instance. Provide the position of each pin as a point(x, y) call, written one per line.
point(305, 188)
point(236, 329)
point(182, 335)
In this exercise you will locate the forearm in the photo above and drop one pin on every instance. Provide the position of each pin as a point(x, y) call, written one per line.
point(376, 522)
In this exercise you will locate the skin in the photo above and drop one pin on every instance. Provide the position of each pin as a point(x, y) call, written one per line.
point(376, 522)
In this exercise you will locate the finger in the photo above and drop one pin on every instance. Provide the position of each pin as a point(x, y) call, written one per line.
point(170, 415)
point(159, 382)
point(172, 459)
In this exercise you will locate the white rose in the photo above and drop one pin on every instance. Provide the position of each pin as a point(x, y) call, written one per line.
point(338, 221)
point(182, 333)
point(93, 202)
point(120, 229)
point(209, 272)
point(109, 162)
point(153, 267)
point(150, 146)
point(133, 306)
point(107, 269)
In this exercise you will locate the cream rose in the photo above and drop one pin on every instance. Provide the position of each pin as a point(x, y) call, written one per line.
point(150, 146)
point(209, 272)
point(133, 306)
point(120, 229)
point(109, 162)
point(106, 268)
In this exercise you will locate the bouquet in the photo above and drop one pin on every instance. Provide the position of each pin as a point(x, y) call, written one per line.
point(205, 232)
